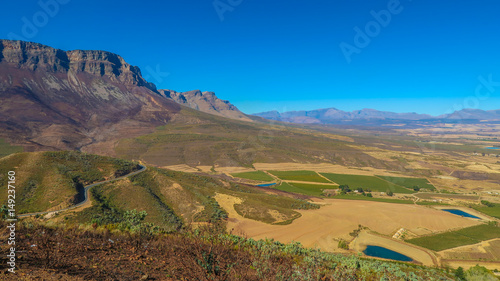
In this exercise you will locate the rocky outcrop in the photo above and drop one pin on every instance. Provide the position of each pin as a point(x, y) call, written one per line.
point(207, 102)
point(34, 56)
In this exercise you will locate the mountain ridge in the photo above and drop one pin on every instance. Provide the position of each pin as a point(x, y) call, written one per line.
point(85, 99)
point(333, 115)
point(207, 102)
point(74, 99)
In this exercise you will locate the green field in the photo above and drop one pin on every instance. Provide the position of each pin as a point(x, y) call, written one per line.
point(430, 203)
point(304, 188)
point(409, 182)
point(255, 175)
point(314, 186)
point(465, 236)
point(490, 211)
point(309, 176)
point(366, 198)
point(7, 149)
point(366, 182)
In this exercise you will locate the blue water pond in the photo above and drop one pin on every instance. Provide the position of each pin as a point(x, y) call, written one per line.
point(460, 213)
point(381, 252)
point(493, 147)
point(266, 185)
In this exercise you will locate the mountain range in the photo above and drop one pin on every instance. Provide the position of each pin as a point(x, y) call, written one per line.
point(95, 102)
point(55, 99)
point(333, 116)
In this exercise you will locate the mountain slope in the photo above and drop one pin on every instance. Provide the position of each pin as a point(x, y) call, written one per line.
point(93, 101)
point(55, 180)
point(199, 139)
point(52, 181)
point(207, 102)
point(64, 253)
point(52, 99)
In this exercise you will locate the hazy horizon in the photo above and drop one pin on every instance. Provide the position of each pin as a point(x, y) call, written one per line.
point(441, 106)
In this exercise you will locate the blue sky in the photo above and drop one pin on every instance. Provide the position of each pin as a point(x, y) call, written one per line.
point(428, 57)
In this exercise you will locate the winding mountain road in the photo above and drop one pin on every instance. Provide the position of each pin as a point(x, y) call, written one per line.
point(87, 189)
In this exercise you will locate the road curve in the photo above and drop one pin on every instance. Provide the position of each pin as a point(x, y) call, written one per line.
point(87, 189)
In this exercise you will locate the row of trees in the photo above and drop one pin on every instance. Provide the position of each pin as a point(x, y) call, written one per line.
point(345, 189)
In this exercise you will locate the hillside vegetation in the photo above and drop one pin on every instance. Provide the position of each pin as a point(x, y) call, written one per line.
point(54, 180)
point(147, 218)
point(175, 200)
point(198, 138)
point(7, 149)
point(77, 253)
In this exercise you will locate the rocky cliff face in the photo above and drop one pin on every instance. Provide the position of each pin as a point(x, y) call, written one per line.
point(207, 102)
point(34, 56)
point(55, 99)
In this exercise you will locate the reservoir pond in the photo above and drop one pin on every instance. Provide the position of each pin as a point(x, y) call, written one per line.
point(267, 184)
point(381, 252)
point(460, 213)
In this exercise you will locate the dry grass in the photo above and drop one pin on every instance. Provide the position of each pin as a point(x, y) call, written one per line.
point(182, 168)
point(484, 251)
point(463, 185)
point(319, 228)
point(323, 167)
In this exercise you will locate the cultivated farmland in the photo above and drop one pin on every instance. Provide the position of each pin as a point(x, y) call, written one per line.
point(452, 239)
point(255, 175)
point(304, 188)
point(309, 176)
point(493, 211)
point(487, 250)
point(366, 182)
point(409, 182)
point(337, 218)
point(366, 198)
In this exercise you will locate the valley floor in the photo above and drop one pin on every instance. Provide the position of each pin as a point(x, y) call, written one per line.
point(337, 218)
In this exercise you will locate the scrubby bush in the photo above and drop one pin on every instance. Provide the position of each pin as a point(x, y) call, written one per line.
point(487, 203)
point(343, 244)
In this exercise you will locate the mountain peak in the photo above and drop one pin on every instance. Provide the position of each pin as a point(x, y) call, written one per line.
point(74, 99)
point(35, 56)
point(205, 101)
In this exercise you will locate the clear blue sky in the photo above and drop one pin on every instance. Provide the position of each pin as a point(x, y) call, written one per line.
point(286, 55)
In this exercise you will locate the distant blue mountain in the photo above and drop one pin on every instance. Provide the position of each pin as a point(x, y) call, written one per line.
point(333, 115)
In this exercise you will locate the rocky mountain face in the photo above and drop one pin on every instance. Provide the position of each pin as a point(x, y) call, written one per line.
point(332, 115)
point(55, 99)
point(207, 102)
